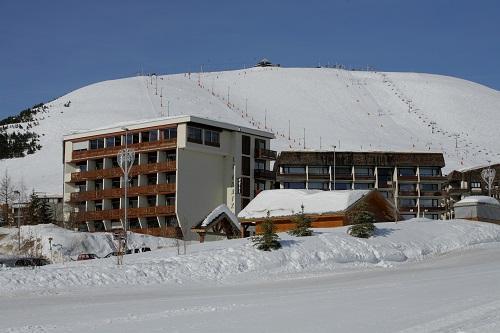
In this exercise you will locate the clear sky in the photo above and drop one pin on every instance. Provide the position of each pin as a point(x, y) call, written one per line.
point(49, 48)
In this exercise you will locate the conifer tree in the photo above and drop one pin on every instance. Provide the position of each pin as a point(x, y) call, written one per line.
point(269, 240)
point(44, 212)
point(362, 220)
point(302, 224)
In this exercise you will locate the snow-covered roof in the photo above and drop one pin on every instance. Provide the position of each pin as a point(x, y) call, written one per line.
point(217, 212)
point(478, 199)
point(288, 202)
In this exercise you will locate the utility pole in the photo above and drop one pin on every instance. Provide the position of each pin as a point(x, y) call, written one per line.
point(18, 219)
point(161, 97)
point(288, 129)
point(156, 84)
point(265, 118)
point(334, 166)
point(304, 138)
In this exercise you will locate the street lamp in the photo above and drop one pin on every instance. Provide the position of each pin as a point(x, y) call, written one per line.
point(126, 160)
point(18, 219)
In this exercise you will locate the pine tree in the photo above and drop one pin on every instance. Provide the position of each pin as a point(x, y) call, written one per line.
point(362, 220)
point(269, 240)
point(302, 224)
point(33, 209)
point(44, 213)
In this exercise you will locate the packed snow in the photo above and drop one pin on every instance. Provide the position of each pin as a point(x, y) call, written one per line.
point(482, 199)
point(353, 110)
point(286, 202)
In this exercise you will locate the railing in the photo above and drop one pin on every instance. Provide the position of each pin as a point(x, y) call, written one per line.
point(408, 178)
point(408, 193)
point(430, 194)
point(372, 177)
point(110, 214)
point(119, 192)
point(265, 154)
point(111, 151)
point(264, 174)
point(170, 232)
point(434, 178)
point(117, 172)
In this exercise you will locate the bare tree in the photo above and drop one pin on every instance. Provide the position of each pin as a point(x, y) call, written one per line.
point(7, 196)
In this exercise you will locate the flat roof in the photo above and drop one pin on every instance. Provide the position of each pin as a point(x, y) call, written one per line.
point(139, 124)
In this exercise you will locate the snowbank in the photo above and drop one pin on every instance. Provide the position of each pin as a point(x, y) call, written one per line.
point(288, 202)
point(235, 261)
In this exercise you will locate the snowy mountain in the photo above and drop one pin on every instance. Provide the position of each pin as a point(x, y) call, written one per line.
point(350, 109)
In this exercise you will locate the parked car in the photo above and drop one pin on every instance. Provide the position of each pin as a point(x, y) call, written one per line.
point(87, 256)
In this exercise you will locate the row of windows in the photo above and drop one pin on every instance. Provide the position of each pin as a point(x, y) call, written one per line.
point(133, 138)
point(145, 158)
point(423, 202)
point(133, 202)
point(357, 186)
point(360, 171)
point(203, 136)
point(150, 179)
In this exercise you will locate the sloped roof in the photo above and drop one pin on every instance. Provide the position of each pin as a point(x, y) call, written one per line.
point(478, 199)
point(286, 202)
point(216, 213)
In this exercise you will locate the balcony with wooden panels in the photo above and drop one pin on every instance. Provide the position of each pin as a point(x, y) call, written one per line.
point(431, 194)
point(167, 166)
point(433, 178)
point(115, 214)
point(265, 154)
point(120, 192)
point(264, 174)
point(408, 193)
point(408, 178)
point(112, 151)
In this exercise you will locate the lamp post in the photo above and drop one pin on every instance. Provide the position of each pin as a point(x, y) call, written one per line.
point(126, 160)
point(334, 166)
point(18, 219)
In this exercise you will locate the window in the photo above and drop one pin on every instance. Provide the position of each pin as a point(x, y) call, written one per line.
point(170, 133)
point(407, 202)
point(245, 186)
point(171, 221)
point(363, 171)
point(318, 170)
point(149, 136)
point(133, 202)
point(115, 182)
point(428, 172)
point(212, 138)
point(407, 172)
point(98, 184)
point(113, 141)
point(152, 179)
point(259, 186)
point(170, 201)
point(195, 134)
point(407, 187)
point(114, 162)
point(260, 165)
point(363, 186)
point(115, 203)
point(98, 205)
point(408, 216)
point(99, 164)
point(81, 186)
point(429, 203)
point(294, 169)
point(152, 157)
point(152, 222)
point(82, 166)
point(134, 181)
point(245, 145)
point(342, 185)
point(170, 157)
point(132, 138)
point(244, 202)
point(429, 187)
point(170, 178)
point(97, 143)
point(99, 226)
point(317, 186)
point(295, 185)
point(245, 166)
point(343, 171)
point(475, 185)
point(151, 199)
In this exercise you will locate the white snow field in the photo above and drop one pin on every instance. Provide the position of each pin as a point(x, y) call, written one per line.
point(413, 276)
point(350, 109)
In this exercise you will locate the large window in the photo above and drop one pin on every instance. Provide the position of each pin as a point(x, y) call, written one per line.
point(318, 170)
point(295, 185)
point(97, 143)
point(407, 172)
point(426, 172)
point(342, 171)
point(245, 166)
point(294, 169)
point(407, 202)
point(132, 138)
point(170, 133)
point(407, 187)
point(317, 186)
point(113, 141)
point(212, 138)
point(363, 171)
point(245, 186)
point(245, 145)
point(342, 186)
point(363, 186)
point(149, 136)
point(429, 187)
point(429, 203)
point(195, 134)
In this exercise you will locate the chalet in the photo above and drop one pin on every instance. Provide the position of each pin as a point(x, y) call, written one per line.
point(219, 224)
point(326, 209)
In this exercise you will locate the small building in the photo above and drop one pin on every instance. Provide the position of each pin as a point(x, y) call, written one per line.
point(411, 180)
point(478, 208)
point(266, 63)
point(219, 224)
point(326, 209)
point(184, 166)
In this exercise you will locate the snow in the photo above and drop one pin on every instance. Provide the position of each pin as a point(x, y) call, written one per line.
point(68, 244)
point(413, 276)
point(350, 109)
point(481, 199)
point(286, 202)
point(216, 212)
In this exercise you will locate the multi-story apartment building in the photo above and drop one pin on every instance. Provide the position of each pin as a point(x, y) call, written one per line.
point(184, 167)
point(412, 180)
point(466, 182)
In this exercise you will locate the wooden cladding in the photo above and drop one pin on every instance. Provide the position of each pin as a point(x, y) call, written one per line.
point(115, 214)
point(119, 192)
point(117, 172)
point(265, 154)
point(169, 232)
point(112, 151)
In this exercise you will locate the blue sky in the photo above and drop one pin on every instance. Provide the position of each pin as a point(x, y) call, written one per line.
point(49, 48)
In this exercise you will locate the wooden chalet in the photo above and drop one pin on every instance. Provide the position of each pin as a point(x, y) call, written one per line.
point(220, 223)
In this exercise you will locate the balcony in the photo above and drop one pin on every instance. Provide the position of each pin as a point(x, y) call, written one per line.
point(408, 193)
point(342, 176)
point(117, 172)
point(408, 178)
point(114, 214)
point(430, 194)
point(408, 209)
point(325, 176)
point(370, 178)
point(433, 178)
point(264, 174)
point(169, 232)
point(120, 192)
point(112, 151)
point(265, 154)
point(431, 209)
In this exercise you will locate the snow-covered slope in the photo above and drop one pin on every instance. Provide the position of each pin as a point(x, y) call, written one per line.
point(349, 109)
point(237, 261)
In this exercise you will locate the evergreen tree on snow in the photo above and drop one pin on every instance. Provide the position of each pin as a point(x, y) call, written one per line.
point(269, 240)
point(302, 224)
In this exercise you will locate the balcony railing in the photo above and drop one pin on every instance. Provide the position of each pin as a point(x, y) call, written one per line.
point(113, 214)
point(112, 151)
point(408, 178)
point(265, 154)
point(119, 192)
point(408, 193)
point(434, 178)
point(264, 174)
point(117, 172)
point(431, 194)
point(170, 232)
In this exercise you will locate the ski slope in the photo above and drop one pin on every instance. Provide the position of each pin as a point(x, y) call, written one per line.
point(354, 110)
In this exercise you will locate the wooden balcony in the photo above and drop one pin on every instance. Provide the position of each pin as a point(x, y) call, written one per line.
point(264, 174)
point(323, 176)
point(370, 178)
point(120, 192)
point(433, 178)
point(430, 194)
point(408, 178)
point(265, 154)
point(408, 193)
point(169, 232)
point(117, 172)
point(114, 214)
point(112, 151)
point(342, 177)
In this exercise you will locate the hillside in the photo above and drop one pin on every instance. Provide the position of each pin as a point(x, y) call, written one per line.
point(350, 109)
